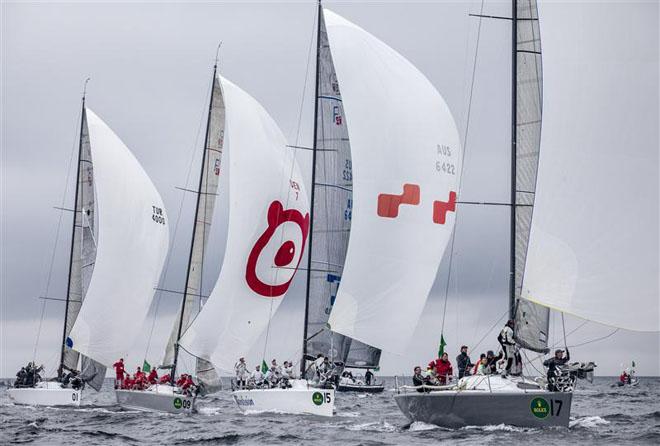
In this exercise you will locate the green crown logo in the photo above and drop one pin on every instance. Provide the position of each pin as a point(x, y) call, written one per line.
point(540, 407)
point(178, 403)
point(317, 398)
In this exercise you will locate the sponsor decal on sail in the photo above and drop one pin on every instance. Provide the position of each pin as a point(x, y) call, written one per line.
point(284, 256)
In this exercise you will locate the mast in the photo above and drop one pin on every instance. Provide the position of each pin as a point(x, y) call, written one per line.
point(311, 208)
point(192, 241)
point(73, 233)
point(514, 125)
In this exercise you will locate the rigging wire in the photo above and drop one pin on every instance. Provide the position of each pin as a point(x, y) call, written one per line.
point(293, 164)
point(563, 327)
point(460, 182)
point(490, 329)
point(57, 233)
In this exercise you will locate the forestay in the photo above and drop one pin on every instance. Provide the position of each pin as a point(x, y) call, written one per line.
point(132, 242)
point(406, 165)
point(532, 321)
point(593, 247)
point(267, 230)
point(206, 199)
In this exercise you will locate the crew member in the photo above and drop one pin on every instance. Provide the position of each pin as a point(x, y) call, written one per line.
point(368, 376)
point(463, 362)
point(119, 373)
point(152, 378)
point(241, 371)
point(420, 380)
point(442, 368)
point(505, 338)
point(552, 363)
point(257, 376)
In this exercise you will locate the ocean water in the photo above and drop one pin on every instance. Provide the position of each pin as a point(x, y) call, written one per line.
point(601, 414)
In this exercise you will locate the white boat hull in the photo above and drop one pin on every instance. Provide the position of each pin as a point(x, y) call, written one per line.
point(297, 400)
point(157, 399)
point(46, 394)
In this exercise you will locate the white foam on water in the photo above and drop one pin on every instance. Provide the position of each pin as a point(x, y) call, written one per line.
point(588, 422)
point(419, 426)
point(349, 414)
point(362, 395)
point(497, 428)
point(374, 427)
point(266, 411)
point(209, 410)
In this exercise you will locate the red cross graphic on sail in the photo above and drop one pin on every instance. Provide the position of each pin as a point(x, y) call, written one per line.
point(388, 204)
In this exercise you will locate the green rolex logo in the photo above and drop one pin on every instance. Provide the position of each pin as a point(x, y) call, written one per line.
point(540, 407)
point(317, 398)
point(178, 403)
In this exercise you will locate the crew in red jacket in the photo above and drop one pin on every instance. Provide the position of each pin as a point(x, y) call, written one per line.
point(140, 379)
point(127, 383)
point(188, 385)
point(442, 368)
point(153, 377)
point(119, 373)
point(165, 379)
point(181, 380)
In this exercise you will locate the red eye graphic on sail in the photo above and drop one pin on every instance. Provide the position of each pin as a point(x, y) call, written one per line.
point(285, 255)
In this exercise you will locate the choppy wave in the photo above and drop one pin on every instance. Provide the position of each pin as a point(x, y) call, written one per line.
point(210, 410)
point(498, 427)
point(419, 426)
point(601, 416)
point(588, 422)
point(376, 426)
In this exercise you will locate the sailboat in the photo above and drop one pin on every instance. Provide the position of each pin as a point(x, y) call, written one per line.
point(268, 226)
point(406, 153)
point(582, 250)
point(119, 243)
point(167, 397)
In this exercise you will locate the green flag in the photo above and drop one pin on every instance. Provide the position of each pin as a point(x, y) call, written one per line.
point(633, 364)
point(264, 366)
point(441, 349)
point(146, 367)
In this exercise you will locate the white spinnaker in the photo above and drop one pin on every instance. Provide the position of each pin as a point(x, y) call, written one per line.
point(594, 241)
point(132, 242)
point(268, 216)
point(401, 132)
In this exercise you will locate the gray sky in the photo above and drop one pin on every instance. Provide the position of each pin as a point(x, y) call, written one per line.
point(150, 67)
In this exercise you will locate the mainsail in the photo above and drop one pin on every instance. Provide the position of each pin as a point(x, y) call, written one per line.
point(593, 245)
point(206, 198)
point(83, 256)
point(131, 245)
point(333, 207)
point(267, 231)
point(405, 169)
point(532, 321)
point(361, 355)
